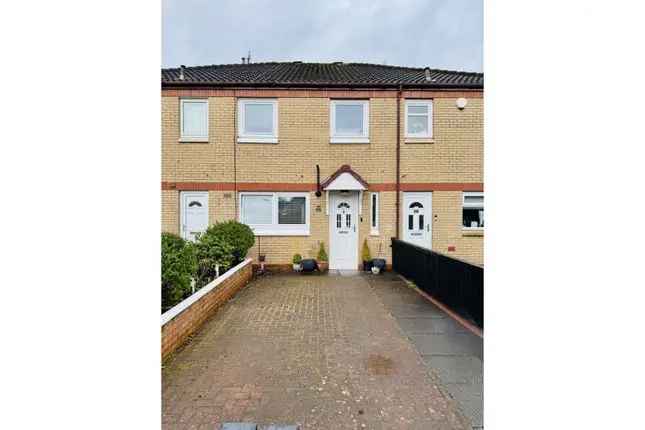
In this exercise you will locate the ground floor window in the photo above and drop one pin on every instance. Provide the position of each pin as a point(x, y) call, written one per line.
point(275, 214)
point(473, 210)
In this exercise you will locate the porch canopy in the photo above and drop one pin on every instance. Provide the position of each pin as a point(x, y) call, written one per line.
point(345, 179)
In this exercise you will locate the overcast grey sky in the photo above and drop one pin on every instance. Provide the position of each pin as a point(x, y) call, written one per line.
point(444, 34)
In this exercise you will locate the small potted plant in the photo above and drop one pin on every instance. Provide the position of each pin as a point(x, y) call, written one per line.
point(367, 257)
point(297, 259)
point(323, 265)
point(378, 263)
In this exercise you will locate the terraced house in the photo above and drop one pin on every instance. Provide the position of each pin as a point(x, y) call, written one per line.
point(336, 153)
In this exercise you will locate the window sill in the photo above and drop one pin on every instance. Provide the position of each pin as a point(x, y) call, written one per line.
point(255, 139)
point(472, 231)
point(409, 139)
point(193, 140)
point(273, 232)
point(349, 140)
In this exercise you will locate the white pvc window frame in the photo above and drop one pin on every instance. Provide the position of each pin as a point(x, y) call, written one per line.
point(275, 229)
point(466, 205)
point(245, 137)
point(363, 137)
point(429, 116)
point(374, 214)
point(188, 138)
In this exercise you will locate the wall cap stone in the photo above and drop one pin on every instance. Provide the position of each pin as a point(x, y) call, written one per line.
point(171, 313)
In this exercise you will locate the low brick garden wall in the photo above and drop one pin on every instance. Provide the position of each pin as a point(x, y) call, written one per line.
point(184, 319)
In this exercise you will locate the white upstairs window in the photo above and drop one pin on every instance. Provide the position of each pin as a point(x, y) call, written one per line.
point(418, 118)
point(349, 121)
point(193, 120)
point(257, 121)
point(473, 210)
point(275, 214)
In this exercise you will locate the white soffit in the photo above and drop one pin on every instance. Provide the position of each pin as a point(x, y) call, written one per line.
point(345, 181)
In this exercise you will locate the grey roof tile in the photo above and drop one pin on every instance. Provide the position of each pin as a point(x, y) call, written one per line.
point(298, 74)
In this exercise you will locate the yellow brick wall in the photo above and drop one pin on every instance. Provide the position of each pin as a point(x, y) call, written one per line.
point(303, 125)
point(447, 229)
point(198, 162)
point(455, 156)
point(170, 211)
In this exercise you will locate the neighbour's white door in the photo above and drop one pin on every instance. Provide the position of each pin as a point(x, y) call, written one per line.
point(343, 248)
point(417, 219)
point(194, 213)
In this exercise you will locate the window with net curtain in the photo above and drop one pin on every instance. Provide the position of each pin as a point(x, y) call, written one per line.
point(258, 121)
point(473, 210)
point(349, 119)
point(291, 210)
point(275, 213)
point(258, 118)
point(419, 118)
point(194, 119)
point(257, 210)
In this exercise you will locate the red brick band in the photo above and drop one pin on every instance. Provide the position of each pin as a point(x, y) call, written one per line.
point(283, 186)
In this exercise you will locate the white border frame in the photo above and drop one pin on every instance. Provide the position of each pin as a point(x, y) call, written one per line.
point(374, 230)
point(188, 139)
point(242, 135)
point(364, 137)
point(275, 229)
point(182, 215)
point(464, 205)
point(418, 102)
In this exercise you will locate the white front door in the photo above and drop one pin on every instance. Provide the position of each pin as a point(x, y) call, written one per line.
point(343, 234)
point(193, 213)
point(417, 219)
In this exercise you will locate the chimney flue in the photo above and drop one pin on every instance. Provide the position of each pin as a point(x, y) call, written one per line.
point(427, 73)
point(182, 75)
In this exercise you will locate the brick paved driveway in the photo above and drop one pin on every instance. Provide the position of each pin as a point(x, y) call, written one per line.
point(319, 351)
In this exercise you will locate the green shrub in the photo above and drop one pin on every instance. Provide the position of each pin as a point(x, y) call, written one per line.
point(212, 249)
point(366, 251)
point(178, 266)
point(239, 235)
point(322, 255)
point(297, 258)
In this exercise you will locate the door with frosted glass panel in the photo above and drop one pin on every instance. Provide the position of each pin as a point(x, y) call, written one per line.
point(417, 218)
point(194, 214)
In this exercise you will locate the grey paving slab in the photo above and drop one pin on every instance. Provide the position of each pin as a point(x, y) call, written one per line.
point(470, 400)
point(450, 351)
point(445, 344)
point(273, 427)
point(429, 325)
point(239, 426)
point(416, 310)
point(456, 369)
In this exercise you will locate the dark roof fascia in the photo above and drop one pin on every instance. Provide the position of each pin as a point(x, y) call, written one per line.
point(246, 85)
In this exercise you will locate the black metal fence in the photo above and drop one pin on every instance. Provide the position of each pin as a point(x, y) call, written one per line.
point(455, 283)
